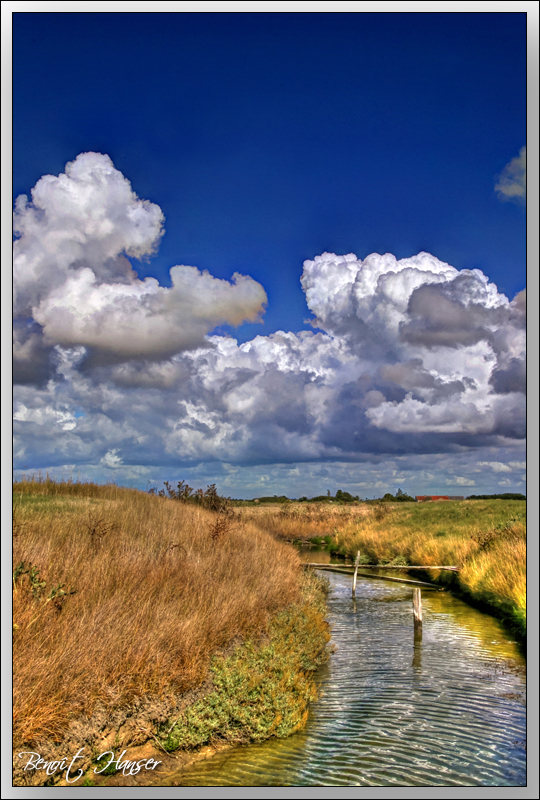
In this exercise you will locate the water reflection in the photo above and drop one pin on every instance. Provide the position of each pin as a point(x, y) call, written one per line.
point(315, 555)
point(417, 651)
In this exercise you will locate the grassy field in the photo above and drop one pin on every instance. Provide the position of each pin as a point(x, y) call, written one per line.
point(124, 600)
point(120, 597)
point(303, 521)
point(486, 539)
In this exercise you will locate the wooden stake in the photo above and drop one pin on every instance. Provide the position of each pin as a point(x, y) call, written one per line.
point(417, 608)
point(355, 573)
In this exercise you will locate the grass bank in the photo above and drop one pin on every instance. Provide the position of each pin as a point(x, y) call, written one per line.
point(264, 687)
point(486, 539)
point(121, 602)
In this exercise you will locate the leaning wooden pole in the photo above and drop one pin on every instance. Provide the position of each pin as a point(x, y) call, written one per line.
point(417, 608)
point(355, 573)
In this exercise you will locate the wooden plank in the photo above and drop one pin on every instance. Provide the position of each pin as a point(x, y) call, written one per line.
point(393, 566)
point(349, 571)
point(332, 568)
point(386, 566)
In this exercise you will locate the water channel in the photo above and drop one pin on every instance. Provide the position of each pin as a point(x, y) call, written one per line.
point(446, 709)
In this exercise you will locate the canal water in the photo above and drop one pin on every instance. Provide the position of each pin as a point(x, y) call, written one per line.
point(446, 709)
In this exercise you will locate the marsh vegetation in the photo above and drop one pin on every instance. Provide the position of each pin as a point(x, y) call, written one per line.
point(120, 596)
point(486, 539)
point(124, 599)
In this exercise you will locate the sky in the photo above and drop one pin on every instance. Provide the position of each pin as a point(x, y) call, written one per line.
point(282, 253)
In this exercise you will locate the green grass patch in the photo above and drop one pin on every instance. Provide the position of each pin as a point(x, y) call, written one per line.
point(38, 504)
point(261, 690)
point(454, 516)
point(397, 561)
point(99, 769)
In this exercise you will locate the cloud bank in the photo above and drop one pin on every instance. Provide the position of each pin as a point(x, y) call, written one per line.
point(407, 358)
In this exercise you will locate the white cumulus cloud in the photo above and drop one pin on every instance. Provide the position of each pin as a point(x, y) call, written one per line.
point(459, 481)
point(111, 459)
point(72, 277)
point(496, 466)
point(86, 217)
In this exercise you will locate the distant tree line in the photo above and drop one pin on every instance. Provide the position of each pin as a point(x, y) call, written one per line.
point(212, 500)
point(398, 497)
point(339, 497)
point(274, 499)
point(506, 496)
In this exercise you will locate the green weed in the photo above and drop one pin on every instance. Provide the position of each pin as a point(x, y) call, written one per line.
point(262, 690)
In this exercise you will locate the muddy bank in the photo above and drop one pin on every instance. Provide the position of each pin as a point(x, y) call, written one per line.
point(131, 729)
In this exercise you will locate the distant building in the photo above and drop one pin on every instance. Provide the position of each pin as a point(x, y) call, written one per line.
point(423, 498)
point(455, 497)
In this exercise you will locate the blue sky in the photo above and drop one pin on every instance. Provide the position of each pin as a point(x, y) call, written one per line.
point(267, 140)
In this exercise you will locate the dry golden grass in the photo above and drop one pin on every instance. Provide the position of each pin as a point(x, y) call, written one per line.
point(501, 571)
point(155, 593)
point(303, 520)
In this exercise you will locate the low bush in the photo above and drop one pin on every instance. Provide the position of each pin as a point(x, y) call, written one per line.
point(261, 690)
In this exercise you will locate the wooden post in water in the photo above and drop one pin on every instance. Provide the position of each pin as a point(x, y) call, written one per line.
point(355, 573)
point(417, 609)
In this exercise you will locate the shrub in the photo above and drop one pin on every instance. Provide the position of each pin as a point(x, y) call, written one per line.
point(209, 499)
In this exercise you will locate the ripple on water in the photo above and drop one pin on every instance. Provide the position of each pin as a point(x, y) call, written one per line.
point(447, 710)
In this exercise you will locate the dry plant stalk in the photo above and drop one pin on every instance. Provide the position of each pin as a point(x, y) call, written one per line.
point(221, 525)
